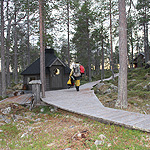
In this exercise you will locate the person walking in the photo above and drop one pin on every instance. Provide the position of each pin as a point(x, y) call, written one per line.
point(76, 73)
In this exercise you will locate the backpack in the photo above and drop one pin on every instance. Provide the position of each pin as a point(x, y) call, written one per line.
point(82, 69)
point(76, 70)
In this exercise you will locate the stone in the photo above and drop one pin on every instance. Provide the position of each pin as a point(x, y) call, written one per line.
point(29, 129)
point(99, 85)
point(114, 88)
point(135, 104)
point(42, 110)
point(133, 80)
point(6, 110)
point(102, 137)
point(108, 91)
point(7, 121)
point(23, 135)
point(38, 119)
point(51, 144)
point(79, 135)
point(109, 145)
point(98, 142)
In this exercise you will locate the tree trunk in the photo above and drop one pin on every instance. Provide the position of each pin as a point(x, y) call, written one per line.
point(28, 35)
point(111, 57)
point(3, 53)
point(122, 82)
point(89, 52)
point(132, 49)
point(8, 48)
point(42, 52)
point(102, 73)
point(68, 34)
point(97, 61)
point(15, 48)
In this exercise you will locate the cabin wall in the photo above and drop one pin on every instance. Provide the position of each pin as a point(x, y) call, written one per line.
point(47, 82)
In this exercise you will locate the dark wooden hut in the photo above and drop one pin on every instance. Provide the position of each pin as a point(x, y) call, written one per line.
point(57, 72)
point(139, 60)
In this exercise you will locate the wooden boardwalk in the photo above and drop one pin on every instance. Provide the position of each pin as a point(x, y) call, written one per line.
point(86, 103)
point(21, 99)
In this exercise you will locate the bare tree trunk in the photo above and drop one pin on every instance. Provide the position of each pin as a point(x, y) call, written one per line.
point(8, 48)
point(3, 53)
point(42, 52)
point(122, 83)
point(111, 58)
point(97, 61)
point(28, 35)
point(102, 73)
point(132, 49)
point(15, 49)
point(68, 33)
point(89, 52)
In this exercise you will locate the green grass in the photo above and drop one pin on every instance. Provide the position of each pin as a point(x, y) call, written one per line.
point(9, 131)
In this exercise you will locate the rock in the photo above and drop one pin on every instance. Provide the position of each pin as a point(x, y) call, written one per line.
point(108, 91)
point(42, 110)
point(98, 142)
point(7, 121)
point(24, 134)
point(135, 104)
point(51, 144)
point(147, 87)
point(53, 109)
point(147, 76)
point(102, 137)
point(38, 119)
point(2, 118)
point(29, 129)
point(147, 65)
point(114, 88)
point(133, 80)
point(6, 110)
point(79, 135)
point(99, 85)
point(109, 145)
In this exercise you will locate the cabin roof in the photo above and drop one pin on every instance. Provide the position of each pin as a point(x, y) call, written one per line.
point(50, 58)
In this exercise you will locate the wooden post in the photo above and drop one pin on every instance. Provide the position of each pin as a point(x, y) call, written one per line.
point(36, 90)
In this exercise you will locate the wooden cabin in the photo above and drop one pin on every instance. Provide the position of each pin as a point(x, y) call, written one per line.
point(57, 72)
point(139, 60)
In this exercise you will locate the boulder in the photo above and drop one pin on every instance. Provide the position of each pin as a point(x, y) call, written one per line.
point(147, 65)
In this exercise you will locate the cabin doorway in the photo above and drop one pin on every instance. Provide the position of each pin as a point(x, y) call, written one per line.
point(56, 75)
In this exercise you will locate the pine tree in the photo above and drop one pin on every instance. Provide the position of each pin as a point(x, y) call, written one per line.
point(122, 82)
